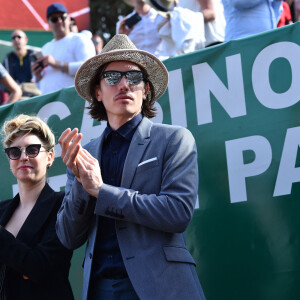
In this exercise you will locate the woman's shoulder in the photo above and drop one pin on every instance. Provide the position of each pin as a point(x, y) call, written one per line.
point(5, 203)
point(58, 196)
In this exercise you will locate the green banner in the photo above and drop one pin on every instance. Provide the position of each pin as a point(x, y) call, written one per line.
point(240, 101)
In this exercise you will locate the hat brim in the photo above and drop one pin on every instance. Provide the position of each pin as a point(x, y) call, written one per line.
point(155, 69)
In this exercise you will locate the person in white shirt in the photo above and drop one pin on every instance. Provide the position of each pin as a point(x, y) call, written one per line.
point(62, 56)
point(214, 20)
point(144, 34)
point(181, 31)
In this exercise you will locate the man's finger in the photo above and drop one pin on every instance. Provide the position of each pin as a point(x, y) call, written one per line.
point(65, 140)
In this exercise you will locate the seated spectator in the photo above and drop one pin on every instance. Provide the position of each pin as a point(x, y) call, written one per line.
point(286, 16)
point(62, 56)
point(244, 18)
point(144, 33)
point(214, 21)
point(11, 86)
point(98, 42)
point(18, 64)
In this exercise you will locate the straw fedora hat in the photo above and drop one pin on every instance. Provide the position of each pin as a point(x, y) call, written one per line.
point(121, 48)
point(163, 7)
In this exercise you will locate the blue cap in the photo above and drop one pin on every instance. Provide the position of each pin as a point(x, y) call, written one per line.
point(54, 8)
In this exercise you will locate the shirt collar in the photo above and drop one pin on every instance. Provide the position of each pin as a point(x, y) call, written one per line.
point(126, 130)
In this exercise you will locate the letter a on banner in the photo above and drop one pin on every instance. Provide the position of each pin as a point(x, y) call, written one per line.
point(288, 173)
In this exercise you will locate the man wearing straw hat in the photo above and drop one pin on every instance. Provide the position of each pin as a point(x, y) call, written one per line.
point(131, 192)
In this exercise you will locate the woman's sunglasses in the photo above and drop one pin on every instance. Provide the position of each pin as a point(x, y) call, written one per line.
point(55, 19)
point(114, 77)
point(31, 151)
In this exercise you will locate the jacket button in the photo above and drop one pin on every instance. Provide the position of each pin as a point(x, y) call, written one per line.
point(91, 255)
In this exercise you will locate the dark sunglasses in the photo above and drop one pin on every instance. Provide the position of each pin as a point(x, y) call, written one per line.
point(114, 77)
point(95, 42)
point(55, 19)
point(16, 37)
point(31, 151)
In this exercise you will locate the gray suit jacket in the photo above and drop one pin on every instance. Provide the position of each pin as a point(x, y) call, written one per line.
point(152, 209)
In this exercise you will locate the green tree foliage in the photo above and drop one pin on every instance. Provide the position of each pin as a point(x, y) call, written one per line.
point(104, 15)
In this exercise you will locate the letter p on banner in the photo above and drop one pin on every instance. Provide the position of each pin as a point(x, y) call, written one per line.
point(238, 171)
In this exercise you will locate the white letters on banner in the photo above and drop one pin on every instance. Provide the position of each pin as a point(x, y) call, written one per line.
point(260, 75)
point(177, 98)
point(232, 99)
point(238, 171)
point(288, 173)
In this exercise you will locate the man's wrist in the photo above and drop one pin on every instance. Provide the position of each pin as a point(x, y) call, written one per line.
point(96, 190)
point(64, 67)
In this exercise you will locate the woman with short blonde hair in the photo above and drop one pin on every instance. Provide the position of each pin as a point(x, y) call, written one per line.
point(33, 263)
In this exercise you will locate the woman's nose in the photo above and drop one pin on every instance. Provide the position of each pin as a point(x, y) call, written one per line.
point(23, 154)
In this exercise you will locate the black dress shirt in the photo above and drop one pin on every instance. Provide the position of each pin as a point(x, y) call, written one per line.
point(108, 261)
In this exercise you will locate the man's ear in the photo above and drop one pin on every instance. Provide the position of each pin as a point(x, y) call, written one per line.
point(146, 90)
point(98, 93)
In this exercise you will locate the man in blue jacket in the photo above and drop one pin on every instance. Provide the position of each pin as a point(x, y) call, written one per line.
point(131, 192)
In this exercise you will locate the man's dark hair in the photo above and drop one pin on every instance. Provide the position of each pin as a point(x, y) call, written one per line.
point(97, 109)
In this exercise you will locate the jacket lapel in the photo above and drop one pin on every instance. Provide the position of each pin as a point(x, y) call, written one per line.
point(95, 147)
point(7, 208)
point(138, 145)
point(38, 215)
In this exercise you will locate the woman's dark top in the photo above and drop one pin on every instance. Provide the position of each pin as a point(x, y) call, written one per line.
point(36, 263)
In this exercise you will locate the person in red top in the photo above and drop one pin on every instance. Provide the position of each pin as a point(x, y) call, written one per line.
point(286, 16)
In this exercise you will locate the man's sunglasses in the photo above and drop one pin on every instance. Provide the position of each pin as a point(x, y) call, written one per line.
point(55, 19)
point(16, 37)
point(114, 77)
point(31, 151)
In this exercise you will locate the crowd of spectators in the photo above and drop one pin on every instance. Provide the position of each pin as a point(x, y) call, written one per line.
point(165, 28)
